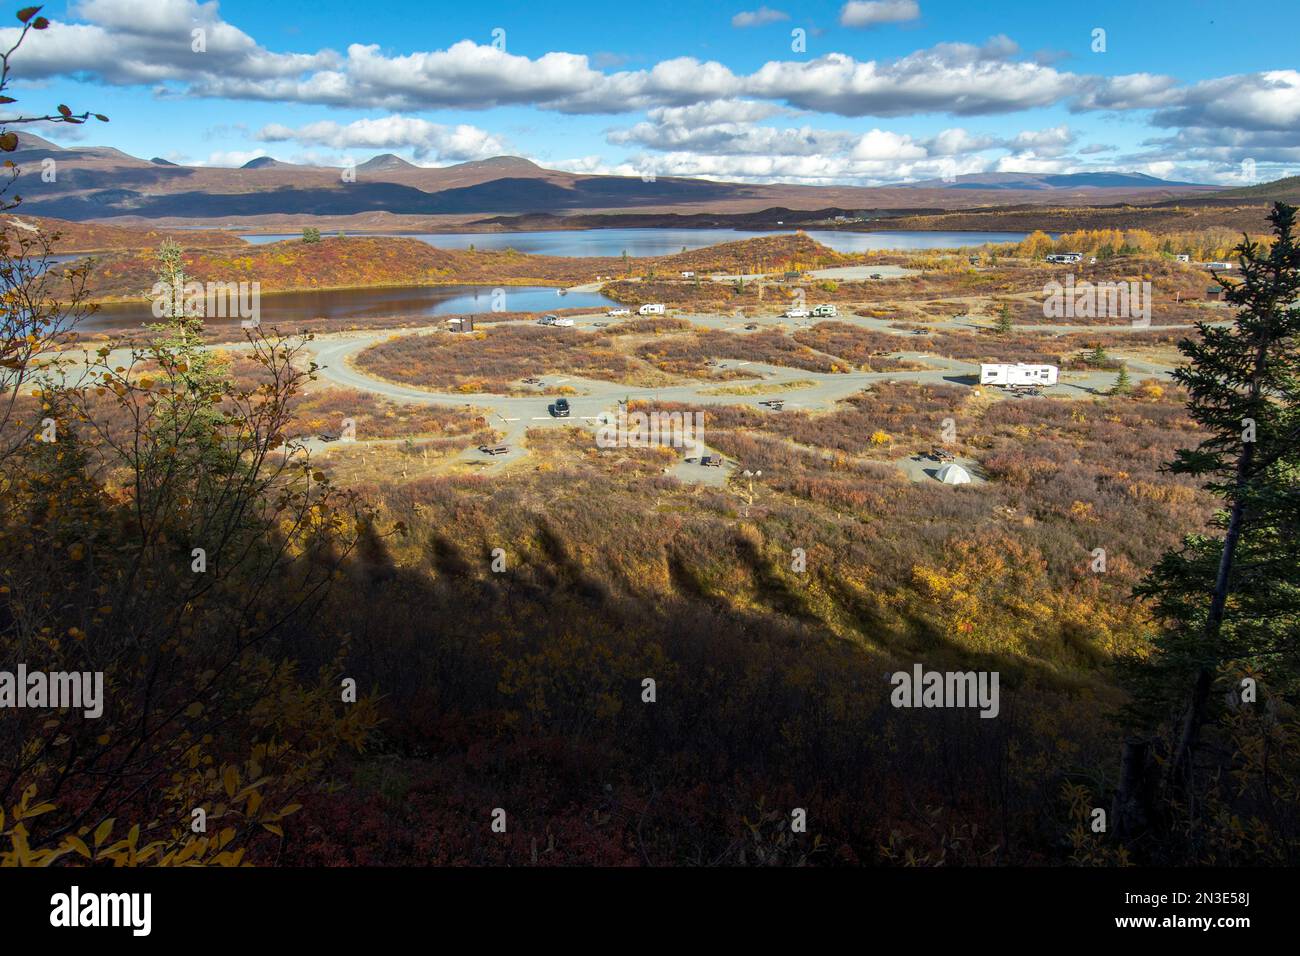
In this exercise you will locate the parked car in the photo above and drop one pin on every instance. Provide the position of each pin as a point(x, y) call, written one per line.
point(876, 275)
point(547, 320)
point(328, 437)
point(613, 313)
point(751, 326)
point(776, 404)
point(494, 449)
point(560, 408)
point(711, 461)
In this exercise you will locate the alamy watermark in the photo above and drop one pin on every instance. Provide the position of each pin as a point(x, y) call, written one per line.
point(209, 300)
point(60, 690)
point(1098, 300)
point(921, 688)
point(126, 910)
point(652, 429)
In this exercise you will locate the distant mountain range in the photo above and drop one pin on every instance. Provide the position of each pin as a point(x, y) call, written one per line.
point(95, 183)
point(1068, 181)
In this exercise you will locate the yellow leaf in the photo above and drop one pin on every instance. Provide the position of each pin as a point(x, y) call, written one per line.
point(103, 830)
point(231, 779)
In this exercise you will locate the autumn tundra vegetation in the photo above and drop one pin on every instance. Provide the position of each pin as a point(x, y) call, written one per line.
point(342, 665)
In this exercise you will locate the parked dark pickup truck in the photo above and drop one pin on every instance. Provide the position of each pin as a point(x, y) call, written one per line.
point(494, 449)
point(561, 408)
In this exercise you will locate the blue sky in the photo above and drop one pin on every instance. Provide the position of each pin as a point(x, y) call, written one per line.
point(879, 91)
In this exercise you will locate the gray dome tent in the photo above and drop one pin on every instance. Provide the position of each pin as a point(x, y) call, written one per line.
point(953, 475)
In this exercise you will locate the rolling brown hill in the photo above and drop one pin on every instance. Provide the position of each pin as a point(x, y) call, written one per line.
point(100, 183)
point(88, 237)
point(378, 261)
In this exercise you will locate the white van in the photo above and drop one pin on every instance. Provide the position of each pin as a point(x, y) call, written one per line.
point(654, 309)
point(1019, 375)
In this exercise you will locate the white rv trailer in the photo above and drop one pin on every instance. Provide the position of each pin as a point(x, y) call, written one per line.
point(652, 309)
point(1019, 375)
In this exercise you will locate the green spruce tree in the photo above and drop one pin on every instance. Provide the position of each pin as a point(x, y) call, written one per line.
point(1233, 594)
point(1002, 324)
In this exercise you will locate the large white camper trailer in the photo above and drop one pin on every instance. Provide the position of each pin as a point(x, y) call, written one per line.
point(1019, 375)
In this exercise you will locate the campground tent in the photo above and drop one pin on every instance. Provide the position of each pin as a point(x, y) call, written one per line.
point(953, 475)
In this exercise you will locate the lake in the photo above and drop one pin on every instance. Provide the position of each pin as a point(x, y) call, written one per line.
point(287, 309)
point(663, 242)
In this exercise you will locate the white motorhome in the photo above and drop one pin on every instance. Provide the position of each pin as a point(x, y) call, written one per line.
point(652, 309)
point(1019, 375)
point(825, 311)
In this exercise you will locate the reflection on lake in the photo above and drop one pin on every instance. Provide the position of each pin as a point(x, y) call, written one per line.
point(287, 310)
point(663, 242)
